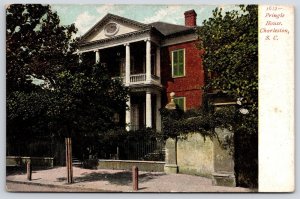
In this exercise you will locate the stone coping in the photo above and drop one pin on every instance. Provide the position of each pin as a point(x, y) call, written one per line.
point(24, 157)
point(132, 161)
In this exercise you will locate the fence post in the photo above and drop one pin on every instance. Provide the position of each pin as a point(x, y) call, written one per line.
point(135, 178)
point(29, 170)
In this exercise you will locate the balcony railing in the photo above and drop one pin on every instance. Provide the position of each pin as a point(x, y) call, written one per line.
point(139, 78)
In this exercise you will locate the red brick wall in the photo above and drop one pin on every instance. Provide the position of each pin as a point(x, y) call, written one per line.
point(188, 86)
point(190, 21)
point(190, 18)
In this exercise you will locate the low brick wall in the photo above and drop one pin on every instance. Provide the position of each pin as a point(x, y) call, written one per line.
point(151, 166)
point(37, 162)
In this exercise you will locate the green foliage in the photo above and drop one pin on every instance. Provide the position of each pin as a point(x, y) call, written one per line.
point(178, 123)
point(36, 45)
point(72, 99)
point(230, 43)
point(85, 100)
point(26, 113)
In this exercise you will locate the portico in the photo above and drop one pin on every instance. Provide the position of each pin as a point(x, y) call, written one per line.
point(137, 64)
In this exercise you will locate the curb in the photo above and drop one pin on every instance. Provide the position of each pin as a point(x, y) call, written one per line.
point(61, 186)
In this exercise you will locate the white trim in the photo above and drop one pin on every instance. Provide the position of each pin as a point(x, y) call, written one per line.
point(183, 63)
point(179, 39)
point(92, 46)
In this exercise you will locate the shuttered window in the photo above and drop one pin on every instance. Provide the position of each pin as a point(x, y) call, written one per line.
point(178, 65)
point(180, 102)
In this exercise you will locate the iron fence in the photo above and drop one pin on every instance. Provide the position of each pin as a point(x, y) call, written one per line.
point(151, 150)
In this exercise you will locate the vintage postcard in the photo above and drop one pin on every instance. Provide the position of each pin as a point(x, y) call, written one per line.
point(149, 98)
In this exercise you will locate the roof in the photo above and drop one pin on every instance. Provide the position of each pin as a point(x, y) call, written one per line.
point(116, 17)
point(170, 29)
point(166, 29)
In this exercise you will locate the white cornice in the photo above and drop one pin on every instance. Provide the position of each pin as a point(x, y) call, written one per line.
point(179, 39)
point(130, 38)
point(115, 42)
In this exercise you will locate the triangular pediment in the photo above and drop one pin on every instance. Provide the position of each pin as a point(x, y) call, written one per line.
point(112, 26)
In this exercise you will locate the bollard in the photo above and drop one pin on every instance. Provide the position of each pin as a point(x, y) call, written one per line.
point(135, 178)
point(29, 171)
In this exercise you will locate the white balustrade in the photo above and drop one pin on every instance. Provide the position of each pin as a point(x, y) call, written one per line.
point(138, 78)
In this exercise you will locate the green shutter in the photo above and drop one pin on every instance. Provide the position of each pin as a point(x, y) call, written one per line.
point(175, 63)
point(179, 102)
point(178, 63)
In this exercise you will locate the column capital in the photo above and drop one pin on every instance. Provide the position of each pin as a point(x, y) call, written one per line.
point(127, 44)
point(148, 39)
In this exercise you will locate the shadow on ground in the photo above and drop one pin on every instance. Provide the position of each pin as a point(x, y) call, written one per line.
point(20, 170)
point(17, 170)
point(120, 178)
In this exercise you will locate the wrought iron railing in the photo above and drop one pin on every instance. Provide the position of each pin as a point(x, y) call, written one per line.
point(151, 150)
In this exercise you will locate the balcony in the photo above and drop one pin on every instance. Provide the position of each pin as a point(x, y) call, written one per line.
point(140, 79)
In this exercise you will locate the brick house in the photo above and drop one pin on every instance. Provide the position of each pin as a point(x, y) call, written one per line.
point(153, 60)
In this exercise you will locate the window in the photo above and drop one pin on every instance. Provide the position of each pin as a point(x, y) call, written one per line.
point(180, 102)
point(178, 65)
point(111, 29)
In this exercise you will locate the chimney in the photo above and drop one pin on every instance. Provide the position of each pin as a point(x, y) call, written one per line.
point(190, 18)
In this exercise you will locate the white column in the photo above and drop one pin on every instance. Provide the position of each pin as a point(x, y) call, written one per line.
point(158, 63)
point(148, 60)
point(158, 117)
point(127, 64)
point(148, 110)
point(128, 114)
point(97, 56)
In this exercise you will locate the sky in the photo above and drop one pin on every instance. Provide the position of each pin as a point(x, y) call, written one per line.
point(86, 15)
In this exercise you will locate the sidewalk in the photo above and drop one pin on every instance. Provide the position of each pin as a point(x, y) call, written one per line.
point(120, 181)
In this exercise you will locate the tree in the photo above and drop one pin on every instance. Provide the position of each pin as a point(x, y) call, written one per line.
point(231, 56)
point(70, 98)
point(84, 101)
point(37, 46)
point(230, 43)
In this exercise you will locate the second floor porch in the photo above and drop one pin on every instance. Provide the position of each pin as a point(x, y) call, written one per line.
point(133, 63)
